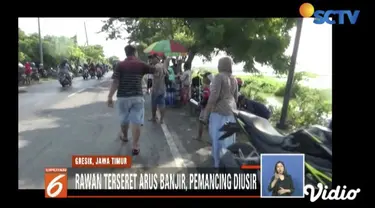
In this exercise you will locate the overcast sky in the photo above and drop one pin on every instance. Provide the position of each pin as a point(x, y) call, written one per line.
point(315, 50)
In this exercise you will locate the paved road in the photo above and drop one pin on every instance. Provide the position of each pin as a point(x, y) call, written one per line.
point(44, 94)
point(55, 124)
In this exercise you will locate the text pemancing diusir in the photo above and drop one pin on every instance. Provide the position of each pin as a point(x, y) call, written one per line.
point(221, 181)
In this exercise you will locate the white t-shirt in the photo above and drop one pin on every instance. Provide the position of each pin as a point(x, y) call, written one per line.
point(150, 76)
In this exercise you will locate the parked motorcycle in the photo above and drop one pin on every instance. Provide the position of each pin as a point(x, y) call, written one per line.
point(52, 73)
point(44, 73)
point(35, 76)
point(85, 74)
point(64, 80)
point(315, 142)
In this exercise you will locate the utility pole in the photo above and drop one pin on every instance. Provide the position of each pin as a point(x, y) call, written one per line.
point(87, 40)
point(40, 43)
point(75, 39)
point(289, 82)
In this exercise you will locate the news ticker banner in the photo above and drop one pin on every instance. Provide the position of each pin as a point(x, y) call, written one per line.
point(112, 176)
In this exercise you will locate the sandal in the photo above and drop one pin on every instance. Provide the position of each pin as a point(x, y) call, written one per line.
point(135, 151)
point(123, 138)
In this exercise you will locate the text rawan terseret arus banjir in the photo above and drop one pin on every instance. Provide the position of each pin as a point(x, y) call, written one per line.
point(166, 181)
point(85, 161)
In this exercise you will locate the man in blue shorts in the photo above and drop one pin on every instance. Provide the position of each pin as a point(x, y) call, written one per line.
point(127, 81)
point(158, 87)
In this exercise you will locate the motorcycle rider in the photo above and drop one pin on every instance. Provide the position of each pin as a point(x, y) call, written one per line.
point(85, 70)
point(99, 68)
point(65, 68)
point(92, 69)
point(33, 67)
point(80, 70)
point(41, 70)
point(85, 67)
point(28, 69)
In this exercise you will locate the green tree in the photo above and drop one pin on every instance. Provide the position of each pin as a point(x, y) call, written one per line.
point(113, 59)
point(56, 48)
point(76, 55)
point(94, 53)
point(248, 40)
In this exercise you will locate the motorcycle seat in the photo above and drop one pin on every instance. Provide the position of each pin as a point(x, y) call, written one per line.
point(263, 127)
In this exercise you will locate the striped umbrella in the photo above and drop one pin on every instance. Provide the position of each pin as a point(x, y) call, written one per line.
point(168, 47)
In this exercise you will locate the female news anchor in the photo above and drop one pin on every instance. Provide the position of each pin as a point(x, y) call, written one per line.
point(281, 183)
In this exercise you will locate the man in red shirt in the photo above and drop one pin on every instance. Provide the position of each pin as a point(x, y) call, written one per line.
point(28, 69)
point(127, 81)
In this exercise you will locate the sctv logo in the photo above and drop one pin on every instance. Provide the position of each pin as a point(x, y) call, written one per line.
point(321, 17)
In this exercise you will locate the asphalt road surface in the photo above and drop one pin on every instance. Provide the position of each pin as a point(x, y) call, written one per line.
point(56, 123)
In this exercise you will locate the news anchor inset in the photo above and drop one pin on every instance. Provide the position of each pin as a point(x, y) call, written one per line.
point(282, 175)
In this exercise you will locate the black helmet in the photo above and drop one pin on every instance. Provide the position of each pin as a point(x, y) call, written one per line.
point(32, 64)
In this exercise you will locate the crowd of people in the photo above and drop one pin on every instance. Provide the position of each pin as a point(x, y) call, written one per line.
point(219, 98)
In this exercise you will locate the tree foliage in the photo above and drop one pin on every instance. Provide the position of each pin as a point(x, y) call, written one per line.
point(248, 40)
point(57, 48)
point(113, 59)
